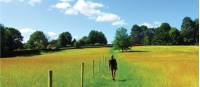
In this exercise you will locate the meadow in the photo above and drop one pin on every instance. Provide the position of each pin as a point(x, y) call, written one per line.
point(144, 66)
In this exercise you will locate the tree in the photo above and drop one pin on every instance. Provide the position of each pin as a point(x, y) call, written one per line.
point(136, 34)
point(73, 41)
point(77, 44)
point(53, 44)
point(93, 36)
point(64, 39)
point(38, 40)
point(84, 41)
point(175, 36)
point(122, 39)
point(148, 36)
point(161, 36)
point(11, 38)
point(188, 31)
point(102, 38)
point(196, 30)
point(3, 39)
point(27, 46)
point(142, 35)
point(97, 37)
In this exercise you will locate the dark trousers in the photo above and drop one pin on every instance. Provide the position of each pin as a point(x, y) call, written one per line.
point(113, 72)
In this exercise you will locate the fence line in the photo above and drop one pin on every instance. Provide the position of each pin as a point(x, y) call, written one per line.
point(102, 67)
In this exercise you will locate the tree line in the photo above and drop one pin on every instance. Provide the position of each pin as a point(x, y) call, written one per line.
point(167, 35)
point(11, 39)
point(162, 35)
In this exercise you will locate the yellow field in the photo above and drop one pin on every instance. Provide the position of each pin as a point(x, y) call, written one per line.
point(32, 71)
point(177, 64)
point(145, 66)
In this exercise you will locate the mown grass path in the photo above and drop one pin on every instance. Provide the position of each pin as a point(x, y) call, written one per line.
point(128, 75)
point(154, 66)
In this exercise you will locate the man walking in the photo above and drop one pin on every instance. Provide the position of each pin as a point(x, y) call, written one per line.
point(113, 66)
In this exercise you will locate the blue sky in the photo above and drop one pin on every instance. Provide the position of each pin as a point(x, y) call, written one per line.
point(79, 17)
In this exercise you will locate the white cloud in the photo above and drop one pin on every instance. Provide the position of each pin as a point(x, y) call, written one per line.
point(30, 2)
point(151, 25)
point(147, 24)
point(52, 35)
point(157, 23)
point(107, 18)
point(86, 8)
point(89, 9)
point(71, 12)
point(26, 30)
point(34, 2)
point(119, 23)
point(62, 5)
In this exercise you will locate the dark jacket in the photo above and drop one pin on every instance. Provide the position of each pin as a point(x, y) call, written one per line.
point(113, 64)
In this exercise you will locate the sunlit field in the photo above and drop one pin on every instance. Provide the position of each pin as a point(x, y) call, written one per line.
point(66, 65)
point(164, 66)
point(144, 66)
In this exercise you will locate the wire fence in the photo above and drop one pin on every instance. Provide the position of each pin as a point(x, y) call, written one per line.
point(98, 67)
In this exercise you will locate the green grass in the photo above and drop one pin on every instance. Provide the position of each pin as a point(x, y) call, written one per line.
point(146, 66)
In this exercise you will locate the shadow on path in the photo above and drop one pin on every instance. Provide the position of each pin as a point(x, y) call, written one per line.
point(136, 51)
point(122, 80)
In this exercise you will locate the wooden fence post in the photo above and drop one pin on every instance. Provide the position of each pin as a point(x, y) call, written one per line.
point(93, 68)
point(82, 74)
point(104, 63)
point(99, 65)
point(50, 78)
